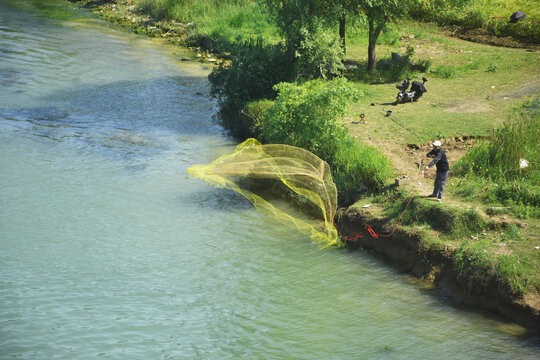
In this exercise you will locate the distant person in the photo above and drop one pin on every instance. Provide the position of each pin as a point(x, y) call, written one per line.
point(518, 15)
point(439, 159)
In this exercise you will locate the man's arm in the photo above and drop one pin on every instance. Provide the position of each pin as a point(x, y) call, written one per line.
point(436, 159)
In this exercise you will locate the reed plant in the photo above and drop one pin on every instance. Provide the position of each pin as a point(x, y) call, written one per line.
point(504, 167)
point(511, 151)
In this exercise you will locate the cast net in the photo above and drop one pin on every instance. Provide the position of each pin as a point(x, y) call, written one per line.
point(266, 175)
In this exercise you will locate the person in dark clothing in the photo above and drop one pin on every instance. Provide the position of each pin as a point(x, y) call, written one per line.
point(518, 15)
point(440, 161)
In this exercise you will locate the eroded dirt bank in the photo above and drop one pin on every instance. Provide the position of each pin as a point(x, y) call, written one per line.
point(405, 250)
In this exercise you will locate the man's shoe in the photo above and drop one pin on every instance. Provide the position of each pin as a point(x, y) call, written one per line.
point(439, 199)
point(432, 195)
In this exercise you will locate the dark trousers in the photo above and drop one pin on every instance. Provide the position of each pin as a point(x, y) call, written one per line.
point(440, 182)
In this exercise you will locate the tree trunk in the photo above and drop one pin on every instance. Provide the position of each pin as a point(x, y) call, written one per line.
point(342, 33)
point(371, 55)
point(371, 46)
point(374, 32)
point(285, 19)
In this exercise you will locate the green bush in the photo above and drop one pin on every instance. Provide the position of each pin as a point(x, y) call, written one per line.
point(250, 75)
point(399, 66)
point(308, 116)
point(252, 115)
point(319, 54)
point(355, 164)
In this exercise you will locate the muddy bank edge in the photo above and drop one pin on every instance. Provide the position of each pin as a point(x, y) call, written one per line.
point(404, 250)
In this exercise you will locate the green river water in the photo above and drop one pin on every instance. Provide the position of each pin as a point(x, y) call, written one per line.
point(109, 250)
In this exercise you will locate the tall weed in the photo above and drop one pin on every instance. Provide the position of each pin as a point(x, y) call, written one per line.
point(499, 156)
point(505, 167)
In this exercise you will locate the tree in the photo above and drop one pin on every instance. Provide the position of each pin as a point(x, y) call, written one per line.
point(305, 26)
point(343, 10)
point(378, 12)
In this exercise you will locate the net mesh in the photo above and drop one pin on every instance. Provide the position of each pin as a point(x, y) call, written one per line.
point(260, 172)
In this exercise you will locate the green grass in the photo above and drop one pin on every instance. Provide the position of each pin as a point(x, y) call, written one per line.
point(214, 23)
point(471, 87)
point(481, 249)
point(491, 171)
point(511, 261)
point(491, 15)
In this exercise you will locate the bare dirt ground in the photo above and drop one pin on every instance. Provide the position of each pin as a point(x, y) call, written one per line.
point(411, 160)
point(468, 107)
point(484, 37)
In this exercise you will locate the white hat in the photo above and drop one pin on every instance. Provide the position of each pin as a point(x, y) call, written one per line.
point(436, 143)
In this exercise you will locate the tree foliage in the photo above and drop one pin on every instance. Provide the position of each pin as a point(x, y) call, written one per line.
point(250, 75)
point(378, 12)
point(295, 17)
point(319, 54)
point(308, 115)
point(305, 26)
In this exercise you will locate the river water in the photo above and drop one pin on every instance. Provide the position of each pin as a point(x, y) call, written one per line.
point(108, 250)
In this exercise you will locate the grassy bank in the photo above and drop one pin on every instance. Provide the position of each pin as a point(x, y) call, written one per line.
point(213, 24)
point(502, 170)
point(482, 248)
point(488, 15)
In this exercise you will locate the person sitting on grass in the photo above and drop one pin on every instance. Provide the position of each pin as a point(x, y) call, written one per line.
point(439, 159)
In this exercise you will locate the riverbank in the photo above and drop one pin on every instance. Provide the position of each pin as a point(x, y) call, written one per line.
point(412, 252)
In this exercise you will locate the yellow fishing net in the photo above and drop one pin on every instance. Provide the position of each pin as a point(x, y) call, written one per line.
point(260, 172)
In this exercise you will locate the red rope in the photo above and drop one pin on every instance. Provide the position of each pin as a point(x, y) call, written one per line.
point(376, 236)
point(372, 232)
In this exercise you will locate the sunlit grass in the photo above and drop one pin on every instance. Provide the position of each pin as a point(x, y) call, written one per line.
point(225, 20)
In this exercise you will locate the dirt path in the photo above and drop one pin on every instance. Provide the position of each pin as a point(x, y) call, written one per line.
point(411, 160)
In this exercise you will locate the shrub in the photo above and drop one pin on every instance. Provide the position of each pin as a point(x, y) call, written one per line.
point(319, 54)
point(308, 116)
point(355, 164)
point(252, 115)
point(250, 75)
point(398, 66)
